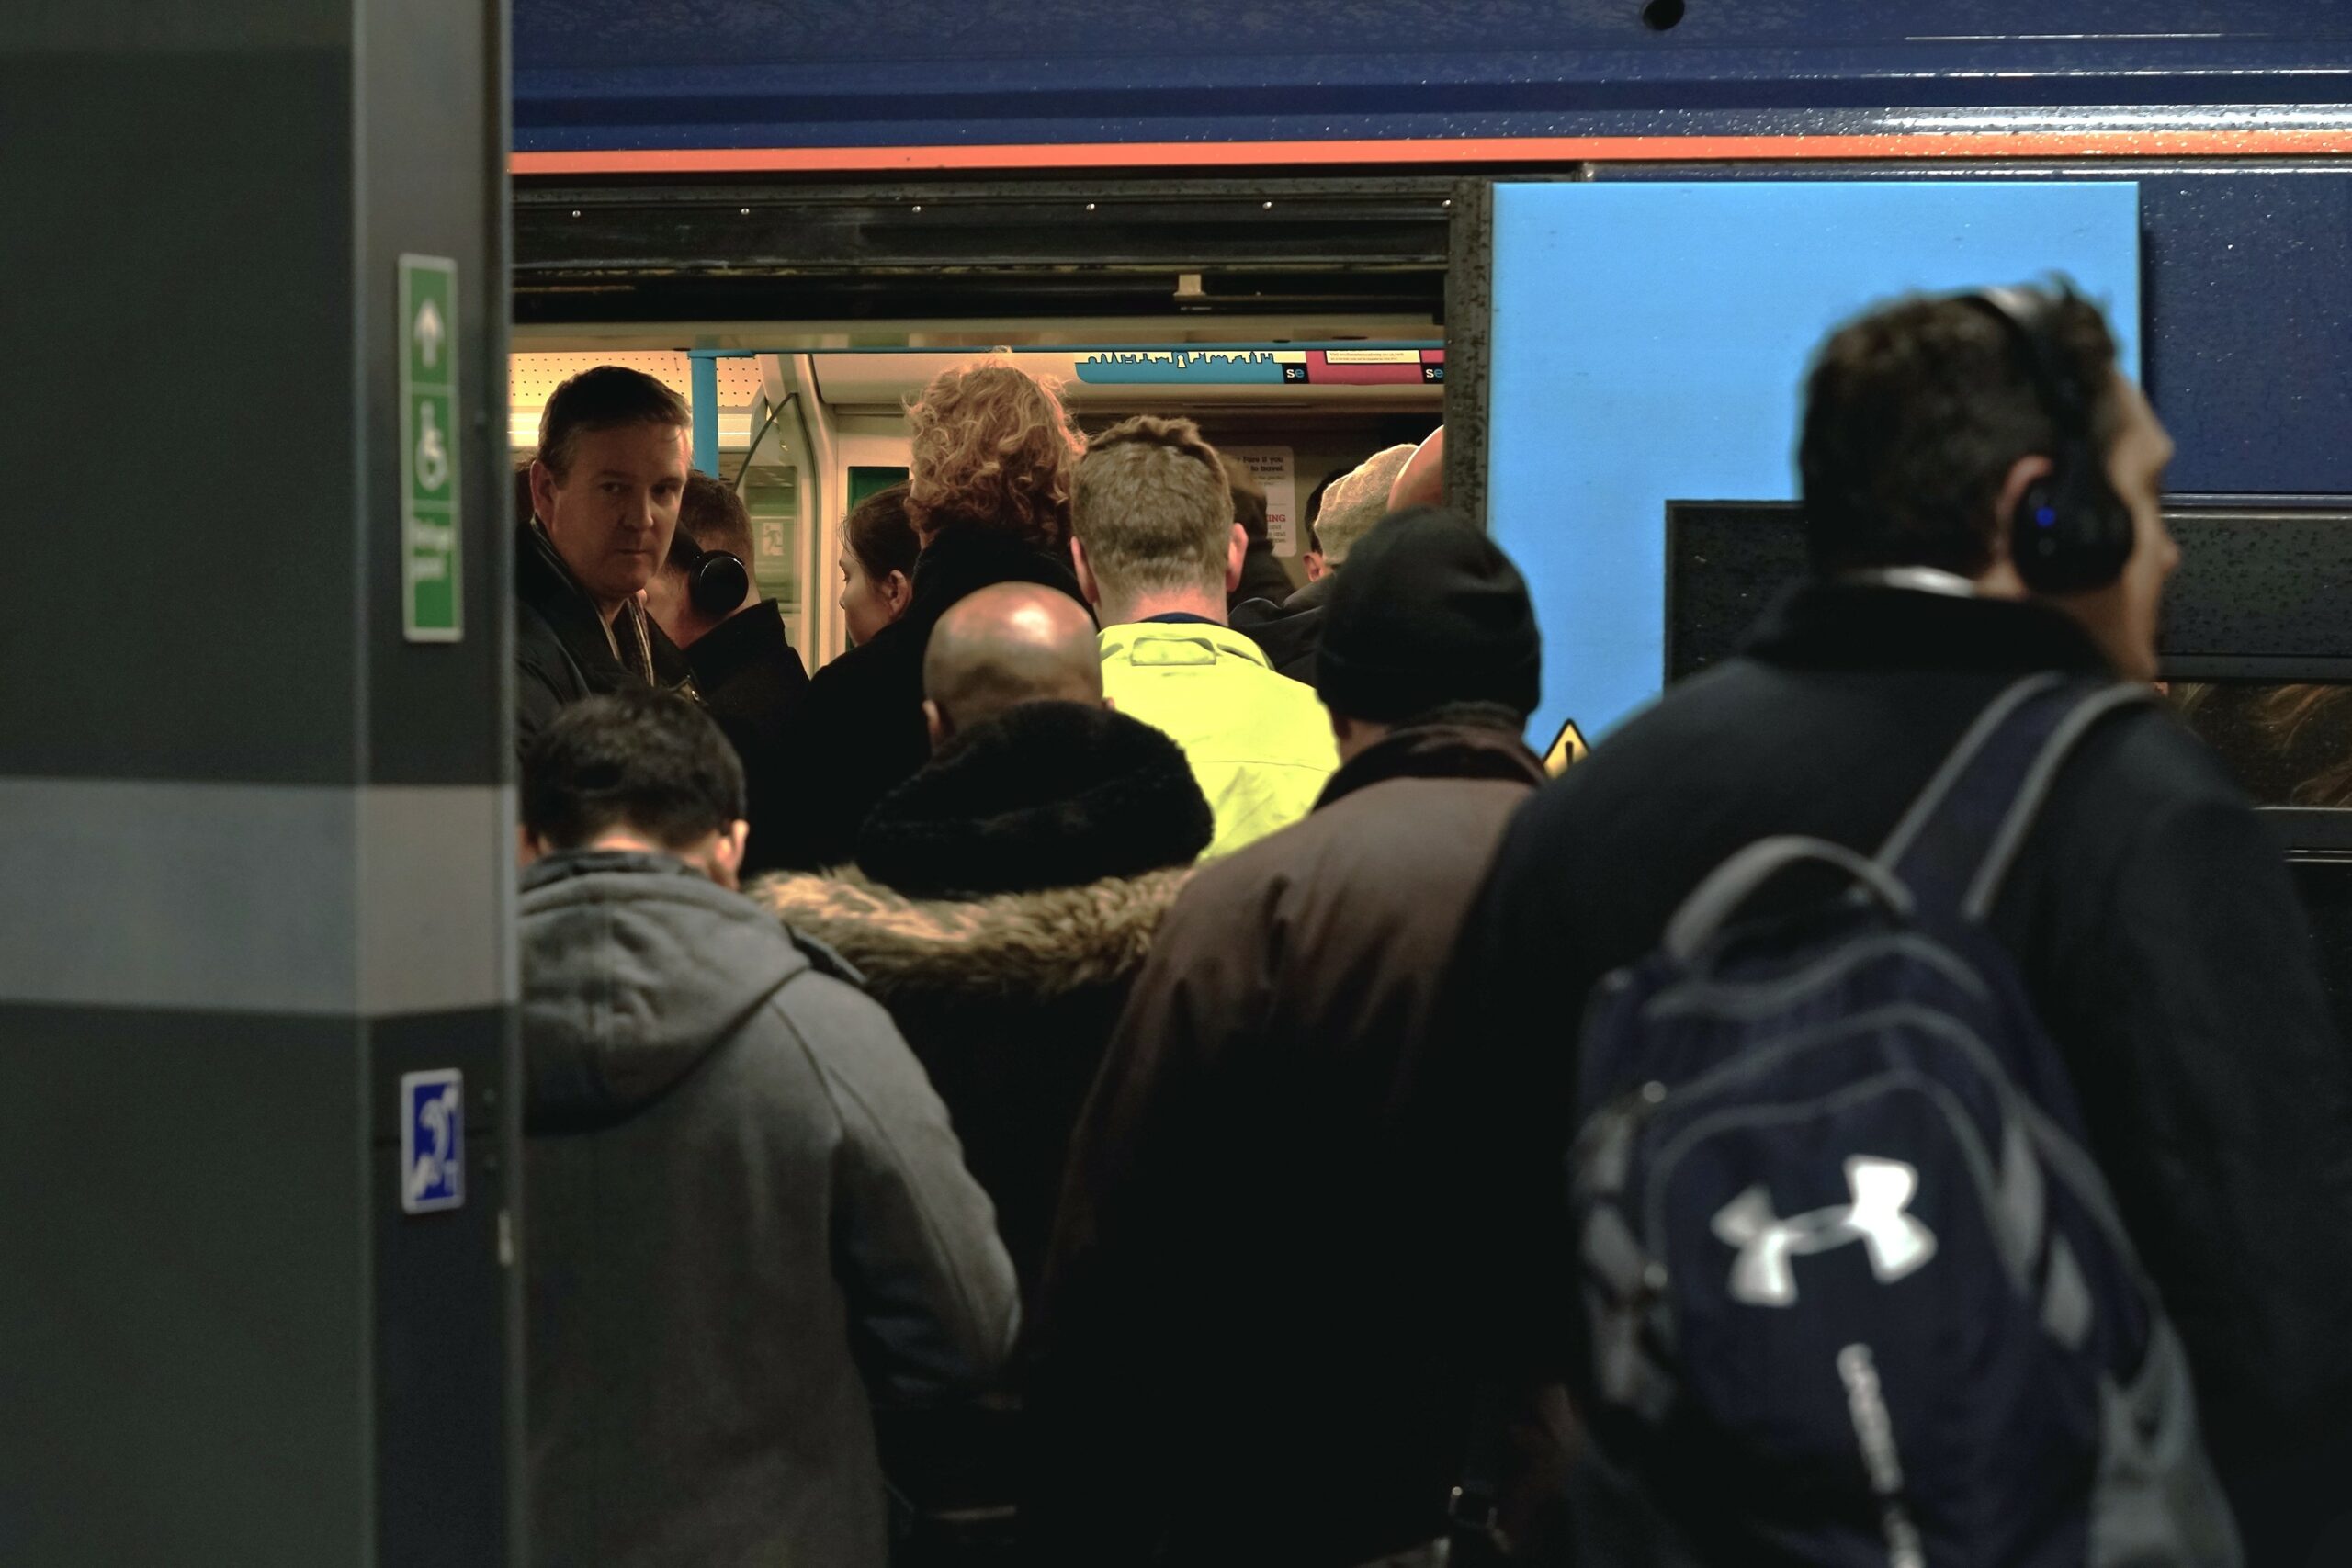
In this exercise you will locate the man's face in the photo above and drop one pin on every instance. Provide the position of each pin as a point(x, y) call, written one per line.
point(611, 515)
point(2124, 617)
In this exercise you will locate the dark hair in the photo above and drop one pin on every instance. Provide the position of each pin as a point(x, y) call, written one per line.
point(880, 536)
point(711, 516)
point(524, 507)
point(1914, 415)
point(608, 397)
point(649, 761)
point(1249, 497)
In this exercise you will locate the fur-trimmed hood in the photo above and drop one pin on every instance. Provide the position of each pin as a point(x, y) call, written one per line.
point(1036, 946)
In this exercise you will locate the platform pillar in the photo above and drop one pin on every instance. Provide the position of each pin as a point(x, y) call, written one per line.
point(255, 784)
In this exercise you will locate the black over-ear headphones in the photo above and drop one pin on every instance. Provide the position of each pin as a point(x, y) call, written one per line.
point(2070, 532)
point(717, 581)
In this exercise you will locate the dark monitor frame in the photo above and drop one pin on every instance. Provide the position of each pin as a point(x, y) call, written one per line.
point(2246, 607)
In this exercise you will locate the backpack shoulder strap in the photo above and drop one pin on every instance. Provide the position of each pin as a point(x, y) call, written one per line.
point(1953, 846)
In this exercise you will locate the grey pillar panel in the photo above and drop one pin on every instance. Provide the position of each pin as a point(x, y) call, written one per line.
point(179, 1238)
point(175, 249)
point(256, 846)
point(430, 108)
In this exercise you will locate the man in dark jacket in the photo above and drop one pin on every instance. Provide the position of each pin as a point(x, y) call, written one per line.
point(604, 494)
point(749, 675)
point(1004, 896)
point(748, 1218)
point(1002, 902)
point(1257, 1338)
point(2154, 924)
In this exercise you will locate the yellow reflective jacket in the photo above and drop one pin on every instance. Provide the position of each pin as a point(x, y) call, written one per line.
point(1260, 743)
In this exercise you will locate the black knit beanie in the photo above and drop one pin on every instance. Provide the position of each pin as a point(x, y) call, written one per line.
point(1427, 611)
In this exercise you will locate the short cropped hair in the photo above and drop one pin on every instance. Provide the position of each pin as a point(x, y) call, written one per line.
point(879, 535)
point(609, 396)
point(991, 446)
point(1915, 411)
point(647, 762)
point(714, 517)
point(1153, 508)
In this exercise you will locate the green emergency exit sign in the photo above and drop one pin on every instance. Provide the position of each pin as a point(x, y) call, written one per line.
point(430, 600)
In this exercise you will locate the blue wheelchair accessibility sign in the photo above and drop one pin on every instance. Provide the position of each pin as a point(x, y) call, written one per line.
point(432, 1140)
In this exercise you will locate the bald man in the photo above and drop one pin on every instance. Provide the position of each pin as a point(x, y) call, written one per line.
point(1007, 643)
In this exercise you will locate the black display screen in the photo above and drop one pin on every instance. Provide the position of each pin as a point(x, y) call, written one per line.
point(2262, 593)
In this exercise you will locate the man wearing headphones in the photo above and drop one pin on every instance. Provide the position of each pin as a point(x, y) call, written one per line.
point(748, 673)
point(1980, 489)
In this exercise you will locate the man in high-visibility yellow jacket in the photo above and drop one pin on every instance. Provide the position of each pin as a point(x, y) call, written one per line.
point(1157, 550)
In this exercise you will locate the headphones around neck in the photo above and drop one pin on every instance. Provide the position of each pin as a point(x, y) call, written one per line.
point(717, 581)
point(2070, 532)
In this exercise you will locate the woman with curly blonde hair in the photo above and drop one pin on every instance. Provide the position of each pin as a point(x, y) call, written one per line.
point(988, 492)
point(993, 449)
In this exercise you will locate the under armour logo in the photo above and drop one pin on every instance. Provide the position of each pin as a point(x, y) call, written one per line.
point(1883, 1190)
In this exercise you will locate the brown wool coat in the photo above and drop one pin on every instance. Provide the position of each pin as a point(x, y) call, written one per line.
point(1255, 1340)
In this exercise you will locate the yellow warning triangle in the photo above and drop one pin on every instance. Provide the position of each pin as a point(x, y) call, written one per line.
point(1567, 747)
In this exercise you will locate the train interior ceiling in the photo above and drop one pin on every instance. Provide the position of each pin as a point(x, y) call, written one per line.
point(804, 434)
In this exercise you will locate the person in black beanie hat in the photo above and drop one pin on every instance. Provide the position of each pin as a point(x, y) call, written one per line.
point(1430, 614)
point(1249, 1291)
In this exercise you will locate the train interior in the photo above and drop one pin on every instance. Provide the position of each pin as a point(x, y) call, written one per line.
point(806, 430)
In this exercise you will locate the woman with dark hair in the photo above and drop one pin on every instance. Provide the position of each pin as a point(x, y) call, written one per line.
point(878, 550)
point(988, 497)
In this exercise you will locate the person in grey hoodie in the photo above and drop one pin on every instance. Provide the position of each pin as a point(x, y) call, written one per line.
point(747, 1220)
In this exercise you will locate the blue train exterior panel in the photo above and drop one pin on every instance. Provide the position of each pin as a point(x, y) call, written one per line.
point(757, 73)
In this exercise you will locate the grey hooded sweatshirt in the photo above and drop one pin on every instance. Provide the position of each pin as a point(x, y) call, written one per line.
point(747, 1219)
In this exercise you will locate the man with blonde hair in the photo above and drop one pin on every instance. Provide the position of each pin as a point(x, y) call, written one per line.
point(1156, 551)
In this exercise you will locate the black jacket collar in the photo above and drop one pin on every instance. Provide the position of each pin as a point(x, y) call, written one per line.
point(1445, 749)
point(751, 638)
point(1046, 794)
point(961, 558)
point(1838, 625)
point(546, 586)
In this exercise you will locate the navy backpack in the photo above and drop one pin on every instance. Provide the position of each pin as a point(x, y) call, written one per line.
point(1855, 1294)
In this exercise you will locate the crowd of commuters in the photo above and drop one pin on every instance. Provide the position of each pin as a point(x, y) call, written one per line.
point(1134, 1124)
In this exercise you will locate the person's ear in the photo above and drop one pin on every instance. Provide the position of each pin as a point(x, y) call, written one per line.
point(937, 722)
point(1086, 583)
point(542, 490)
point(727, 853)
point(897, 590)
point(527, 848)
point(1237, 550)
point(1339, 727)
point(1314, 567)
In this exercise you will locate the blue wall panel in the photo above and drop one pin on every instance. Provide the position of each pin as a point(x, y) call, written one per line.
point(1649, 343)
point(2247, 309)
